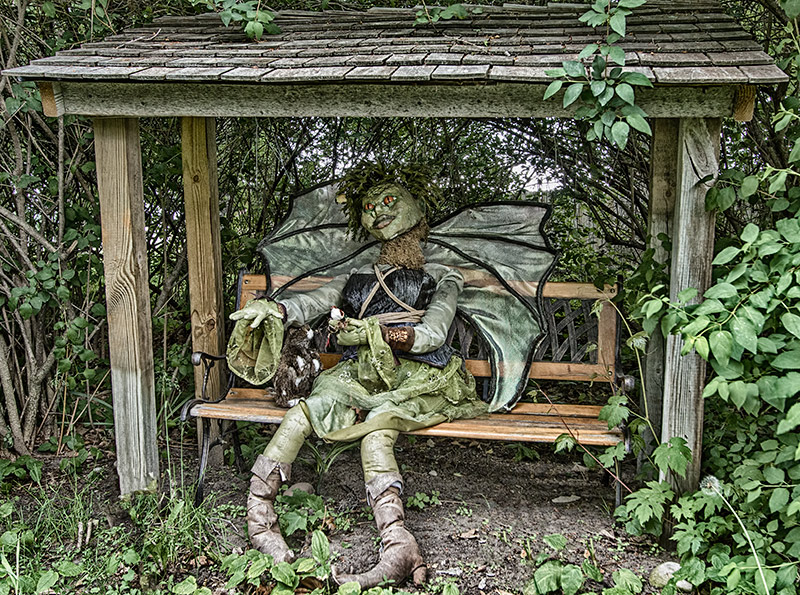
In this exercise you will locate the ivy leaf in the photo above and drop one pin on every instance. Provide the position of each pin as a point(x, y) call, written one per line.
point(744, 333)
point(727, 255)
point(749, 186)
point(674, 455)
point(588, 51)
point(778, 500)
point(617, 23)
point(701, 347)
point(721, 344)
point(792, 323)
point(637, 122)
point(636, 78)
point(574, 69)
point(750, 232)
point(787, 360)
point(791, 421)
point(254, 30)
point(625, 92)
point(552, 89)
point(791, 8)
point(619, 132)
point(721, 291)
point(617, 55)
point(572, 93)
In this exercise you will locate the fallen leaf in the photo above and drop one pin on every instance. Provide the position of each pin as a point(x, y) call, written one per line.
point(471, 534)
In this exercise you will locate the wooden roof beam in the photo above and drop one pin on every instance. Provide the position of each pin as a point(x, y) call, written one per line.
point(482, 100)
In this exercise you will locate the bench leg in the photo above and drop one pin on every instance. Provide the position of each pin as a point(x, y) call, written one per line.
point(237, 449)
point(201, 474)
point(617, 486)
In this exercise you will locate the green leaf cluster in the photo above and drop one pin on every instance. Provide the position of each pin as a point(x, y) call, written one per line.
point(430, 15)
point(255, 20)
point(602, 89)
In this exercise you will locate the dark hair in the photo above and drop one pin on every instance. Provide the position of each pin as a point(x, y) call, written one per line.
point(357, 182)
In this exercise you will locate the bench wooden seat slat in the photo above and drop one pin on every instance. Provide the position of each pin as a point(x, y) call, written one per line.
point(527, 422)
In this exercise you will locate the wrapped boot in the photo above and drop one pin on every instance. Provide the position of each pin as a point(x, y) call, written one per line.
point(400, 555)
point(262, 522)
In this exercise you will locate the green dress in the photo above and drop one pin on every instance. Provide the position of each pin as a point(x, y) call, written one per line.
point(397, 393)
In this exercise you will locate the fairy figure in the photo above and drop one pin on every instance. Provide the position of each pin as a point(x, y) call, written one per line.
point(399, 285)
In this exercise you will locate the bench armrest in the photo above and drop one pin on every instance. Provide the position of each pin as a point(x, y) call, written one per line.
point(208, 361)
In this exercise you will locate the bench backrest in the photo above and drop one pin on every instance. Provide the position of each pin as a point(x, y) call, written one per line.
point(578, 344)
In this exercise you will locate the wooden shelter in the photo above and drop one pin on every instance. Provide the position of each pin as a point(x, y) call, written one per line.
point(378, 63)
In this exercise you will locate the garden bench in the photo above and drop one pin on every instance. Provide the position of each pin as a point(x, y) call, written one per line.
point(579, 346)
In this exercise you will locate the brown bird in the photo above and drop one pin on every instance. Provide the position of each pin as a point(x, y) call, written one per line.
point(298, 367)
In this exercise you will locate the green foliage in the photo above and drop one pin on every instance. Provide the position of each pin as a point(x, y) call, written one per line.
point(299, 512)
point(421, 500)
point(21, 468)
point(432, 15)
point(604, 92)
point(249, 14)
point(747, 328)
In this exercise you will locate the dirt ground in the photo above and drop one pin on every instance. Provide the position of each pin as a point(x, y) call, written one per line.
point(482, 529)
point(487, 528)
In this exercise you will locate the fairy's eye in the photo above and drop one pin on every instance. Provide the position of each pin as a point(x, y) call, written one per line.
point(387, 200)
point(369, 207)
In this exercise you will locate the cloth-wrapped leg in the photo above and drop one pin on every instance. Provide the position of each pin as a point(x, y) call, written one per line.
point(400, 556)
point(269, 471)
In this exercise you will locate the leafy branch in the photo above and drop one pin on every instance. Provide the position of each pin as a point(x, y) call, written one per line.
point(256, 20)
point(596, 81)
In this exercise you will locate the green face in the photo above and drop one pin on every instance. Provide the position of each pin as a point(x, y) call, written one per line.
point(388, 211)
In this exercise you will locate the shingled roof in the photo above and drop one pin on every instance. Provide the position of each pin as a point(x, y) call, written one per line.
point(671, 43)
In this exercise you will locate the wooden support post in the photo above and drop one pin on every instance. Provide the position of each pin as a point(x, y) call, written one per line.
point(204, 252)
point(663, 181)
point(119, 181)
point(692, 253)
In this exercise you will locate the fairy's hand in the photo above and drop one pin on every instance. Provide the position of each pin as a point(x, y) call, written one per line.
point(258, 310)
point(353, 333)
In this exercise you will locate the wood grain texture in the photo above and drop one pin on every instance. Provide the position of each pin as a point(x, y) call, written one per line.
point(119, 181)
point(744, 103)
point(523, 424)
point(692, 253)
point(663, 185)
point(198, 142)
point(49, 106)
point(474, 277)
point(356, 99)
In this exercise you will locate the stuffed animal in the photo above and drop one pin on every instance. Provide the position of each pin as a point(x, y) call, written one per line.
point(298, 367)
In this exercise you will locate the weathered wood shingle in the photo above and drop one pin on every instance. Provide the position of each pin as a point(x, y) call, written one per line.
point(673, 43)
